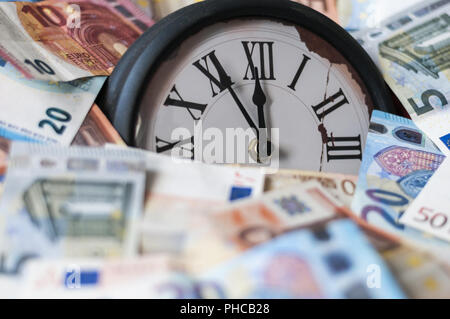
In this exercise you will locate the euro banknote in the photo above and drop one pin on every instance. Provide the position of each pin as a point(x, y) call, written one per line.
point(68, 203)
point(172, 188)
point(181, 196)
point(145, 6)
point(419, 273)
point(341, 186)
point(43, 111)
point(398, 161)
point(430, 212)
point(233, 229)
point(162, 8)
point(56, 40)
point(251, 222)
point(158, 276)
point(4, 154)
point(96, 130)
point(360, 14)
point(333, 261)
point(412, 51)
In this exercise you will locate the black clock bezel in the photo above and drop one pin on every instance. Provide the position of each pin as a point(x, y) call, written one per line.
point(122, 92)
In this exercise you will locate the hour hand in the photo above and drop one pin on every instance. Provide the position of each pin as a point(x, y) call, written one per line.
point(259, 99)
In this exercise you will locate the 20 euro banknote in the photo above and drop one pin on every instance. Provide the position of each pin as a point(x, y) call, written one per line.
point(43, 111)
point(398, 162)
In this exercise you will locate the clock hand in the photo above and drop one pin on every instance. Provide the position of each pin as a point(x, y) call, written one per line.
point(226, 82)
point(259, 99)
point(242, 109)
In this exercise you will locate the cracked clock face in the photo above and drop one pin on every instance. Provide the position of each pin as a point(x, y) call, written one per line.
point(287, 90)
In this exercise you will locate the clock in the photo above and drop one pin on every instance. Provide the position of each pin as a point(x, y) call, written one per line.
point(229, 80)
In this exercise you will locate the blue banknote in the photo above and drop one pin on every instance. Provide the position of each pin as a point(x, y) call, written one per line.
point(398, 161)
point(43, 111)
point(334, 261)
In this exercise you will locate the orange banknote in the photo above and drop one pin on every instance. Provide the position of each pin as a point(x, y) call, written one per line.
point(96, 130)
point(62, 41)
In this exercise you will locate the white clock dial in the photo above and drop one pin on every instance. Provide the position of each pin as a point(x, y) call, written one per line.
point(304, 89)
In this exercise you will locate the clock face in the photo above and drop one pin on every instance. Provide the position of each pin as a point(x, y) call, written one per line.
point(275, 83)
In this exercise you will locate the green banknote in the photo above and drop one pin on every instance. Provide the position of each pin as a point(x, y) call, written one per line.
point(412, 50)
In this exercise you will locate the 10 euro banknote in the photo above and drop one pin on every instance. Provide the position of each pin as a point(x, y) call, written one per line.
point(63, 41)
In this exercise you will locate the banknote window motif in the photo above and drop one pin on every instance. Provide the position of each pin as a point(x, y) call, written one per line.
point(408, 135)
point(377, 128)
point(75, 164)
point(422, 49)
point(64, 208)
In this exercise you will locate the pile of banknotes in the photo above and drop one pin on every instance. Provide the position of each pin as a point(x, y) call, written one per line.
point(82, 215)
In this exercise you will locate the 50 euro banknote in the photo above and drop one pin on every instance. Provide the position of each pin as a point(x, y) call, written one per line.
point(412, 50)
point(63, 41)
point(430, 212)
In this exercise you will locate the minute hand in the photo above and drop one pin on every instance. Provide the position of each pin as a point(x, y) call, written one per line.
point(243, 110)
point(226, 82)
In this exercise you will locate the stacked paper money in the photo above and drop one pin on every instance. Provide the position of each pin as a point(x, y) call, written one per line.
point(84, 216)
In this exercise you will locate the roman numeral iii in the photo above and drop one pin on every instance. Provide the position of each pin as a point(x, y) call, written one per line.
point(343, 148)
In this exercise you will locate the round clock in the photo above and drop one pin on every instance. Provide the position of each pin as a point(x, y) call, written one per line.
point(242, 81)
